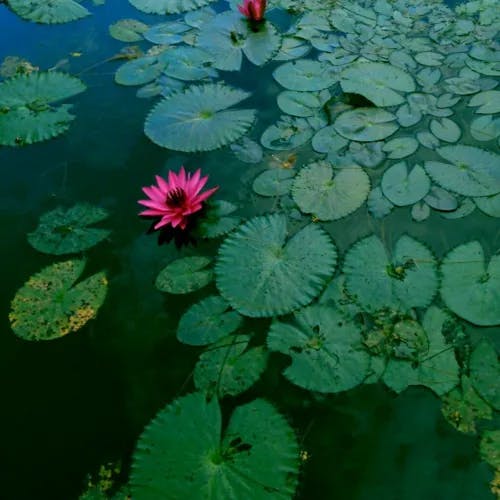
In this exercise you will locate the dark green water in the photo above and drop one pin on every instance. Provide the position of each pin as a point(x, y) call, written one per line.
point(70, 405)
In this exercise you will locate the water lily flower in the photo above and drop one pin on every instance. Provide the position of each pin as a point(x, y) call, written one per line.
point(176, 199)
point(253, 9)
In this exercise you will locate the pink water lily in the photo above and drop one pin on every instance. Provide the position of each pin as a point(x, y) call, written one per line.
point(175, 200)
point(253, 9)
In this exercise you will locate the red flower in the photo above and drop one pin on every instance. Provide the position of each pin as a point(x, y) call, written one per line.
point(177, 199)
point(253, 9)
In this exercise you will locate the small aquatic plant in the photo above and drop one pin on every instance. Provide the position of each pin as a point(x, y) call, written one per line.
point(175, 200)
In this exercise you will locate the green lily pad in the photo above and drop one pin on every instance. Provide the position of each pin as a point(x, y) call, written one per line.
point(49, 305)
point(287, 133)
point(217, 219)
point(299, 103)
point(330, 194)
point(437, 368)
point(207, 321)
point(228, 367)
point(490, 205)
point(28, 110)
point(139, 71)
point(169, 33)
point(168, 6)
point(184, 453)
point(407, 280)
point(490, 447)
point(292, 48)
point(247, 150)
point(63, 231)
point(187, 63)
point(378, 205)
point(463, 406)
point(378, 82)
point(429, 58)
point(273, 182)
point(367, 154)
point(420, 211)
point(485, 373)
point(42, 11)
point(275, 275)
point(305, 75)
point(400, 147)
point(198, 119)
point(128, 30)
point(403, 187)
point(445, 129)
point(325, 347)
point(485, 128)
point(472, 171)
point(440, 199)
point(469, 287)
point(366, 124)
point(185, 275)
point(326, 140)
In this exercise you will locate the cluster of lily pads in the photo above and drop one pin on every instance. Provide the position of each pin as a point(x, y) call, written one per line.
point(390, 100)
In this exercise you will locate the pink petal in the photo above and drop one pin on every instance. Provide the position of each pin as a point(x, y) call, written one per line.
point(151, 212)
point(182, 178)
point(164, 222)
point(203, 196)
point(173, 182)
point(162, 184)
point(152, 204)
point(154, 193)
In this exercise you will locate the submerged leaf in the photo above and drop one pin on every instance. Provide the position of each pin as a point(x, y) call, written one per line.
point(185, 275)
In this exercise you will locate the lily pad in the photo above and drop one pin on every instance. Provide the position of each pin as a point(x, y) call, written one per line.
point(198, 119)
point(485, 372)
point(471, 171)
point(184, 453)
point(305, 75)
point(217, 219)
point(247, 150)
point(469, 287)
point(445, 129)
point(273, 182)
point(366, 124)
point(274, 275)
point(381, 83)
point(287, 133)
point(406, 280)
point(168, 6)
point(378, 205)
point(440, 199)
point(187, 63)
point(207, 321)
point(63, 231)
point(403, 187)
point(42, 11)
point(299, 103)
point(128, 30)
point(400, 147)
point(485, 128)
point(28, 110)
point(139, 71)
point(185, 275)
point(325, 347)
point(49, 305)
point(486, 102)
point(490, 205)
point(326, 140)
point(228, 367)
point(169, 33)
point(330, 194)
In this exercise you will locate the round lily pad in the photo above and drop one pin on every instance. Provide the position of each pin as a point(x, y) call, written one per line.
point(469, 287)
point(471, 171)
point(485, 372)
point(49, 305)
point(207, 321)
point(325, 347)
point(407, 280)
point(184, 453)
point(28, 110)
point(305, 75)
point(185, 275)
point(273, 182)
point(400, 147)
point(128, 30)
point(198, 119)
point(299, 103)
point(42, 11)
point(217, 219)
point(274, 275)
point(330, 194)
point(168, 6)
point(187, 63)
point(169, 33)
point(486, 102)
point(490, 205)
point(485, 128)
point(63, 231)
point(440, 199)
point(403, 187)
point(228, 367)
point(326, 140)
point(381, 83)
point(366, 124)
point(445, 129)
point(139, 71)
point(287, 133)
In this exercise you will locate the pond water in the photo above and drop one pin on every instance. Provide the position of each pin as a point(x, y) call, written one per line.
point(368, 390)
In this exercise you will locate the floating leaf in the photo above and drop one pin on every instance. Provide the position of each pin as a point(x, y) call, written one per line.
point(128, 30)
point(42, 11)
point(275, 276)
point(207, 321)
point(463, 406)
point(485, 128)
point(325, 347)
point(469, 287)
point(217, 220)
point(471, 171)
point(63, 231)
point(287, 133)
point(400, 147)
point(228, 367)
point(440, 199)
point(378, 82)
point(185, 275)
point(429, 58)
point(485, 372)
point(326, 140)
point(490, 205)
point(27, 107)
point(488, 102)
point(139, 71)
point(329, 194)
point(168, 6)
point(407, 280)
point(420, 211)
point(187, 63)
point(169, 33)
point(445, 129)
point(198, 119)
point(378, 205)
point(247, 150)
point(183, 453)
point(49, 305)
point(490, 447)
point(466, 207)
point(366, 124)
point(408, 116)
point(274, 182)
point(403, 187)
point(299, 103)
point(292, 48)
point(305, 75)
point(437, 369)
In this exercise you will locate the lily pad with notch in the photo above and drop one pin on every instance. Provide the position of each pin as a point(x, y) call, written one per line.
point(168, 6)
point(273, 182)
point(305, 75)
point(55, 12)
point(405, 187)
point(185, 275)
point(366, 124)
